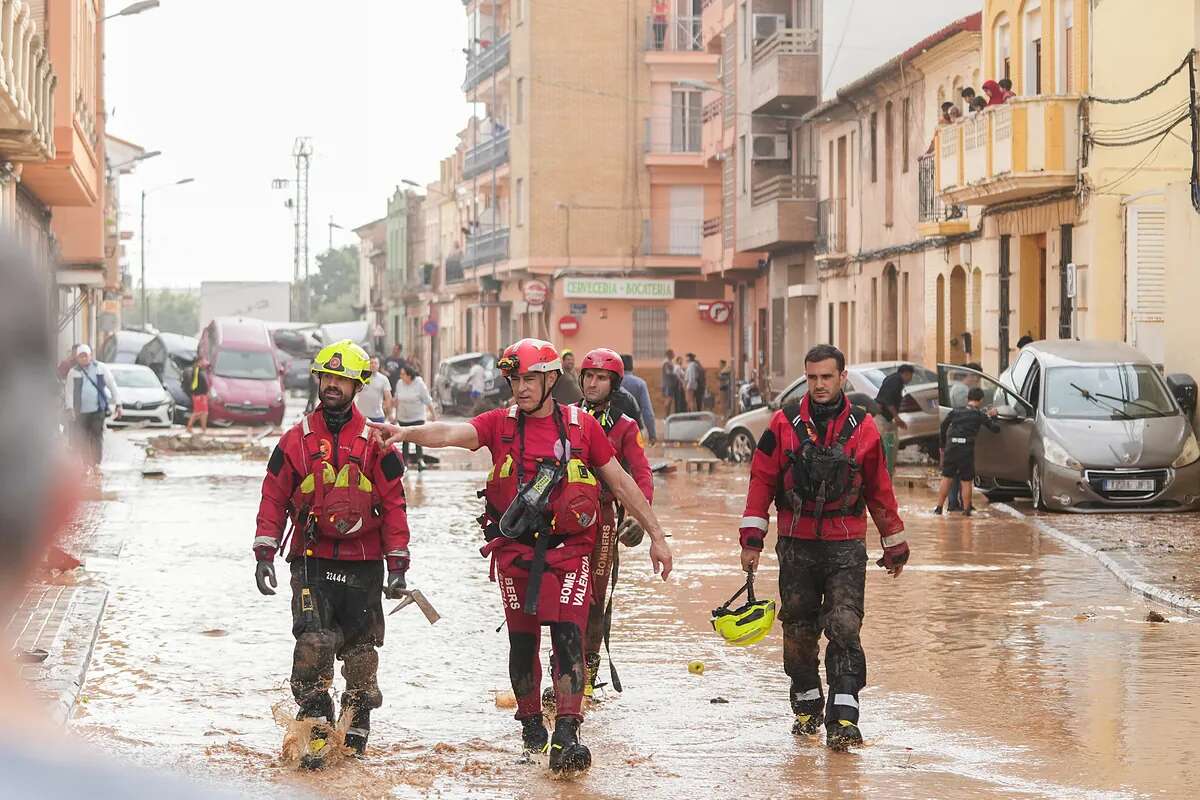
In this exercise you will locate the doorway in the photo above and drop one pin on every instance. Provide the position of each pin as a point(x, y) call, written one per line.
point(891, 307)
point(958, 314)
point(941, 318)
point(1032, 281)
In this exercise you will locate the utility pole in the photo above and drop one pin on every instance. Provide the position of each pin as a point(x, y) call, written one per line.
point(302, 152)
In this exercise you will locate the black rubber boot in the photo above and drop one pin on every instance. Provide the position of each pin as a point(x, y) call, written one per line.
point(810, 716)
point(938, 510)
point(567, 753)
point(360, 730)
point(842, 734)
point(320, 746)
point(534, 735)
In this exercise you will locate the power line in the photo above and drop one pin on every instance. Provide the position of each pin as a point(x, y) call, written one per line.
point(1146, 92)
point(838, 51)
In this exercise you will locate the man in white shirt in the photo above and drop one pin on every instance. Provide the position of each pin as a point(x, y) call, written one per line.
point(91, 393)
point(375, 399)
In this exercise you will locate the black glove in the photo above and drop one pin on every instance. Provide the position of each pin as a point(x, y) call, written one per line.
point(264, 571)
point(394, 590)
point(630, 532)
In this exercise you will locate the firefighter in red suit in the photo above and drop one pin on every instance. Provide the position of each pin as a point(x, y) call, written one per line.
point(600, 376)
point(821, 463)
point(541, 512)
point(343, 494)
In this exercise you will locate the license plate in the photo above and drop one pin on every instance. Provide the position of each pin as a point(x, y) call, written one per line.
point(1129, 485)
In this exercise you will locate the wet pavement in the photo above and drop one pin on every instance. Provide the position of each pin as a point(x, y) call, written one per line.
point(1000, 664)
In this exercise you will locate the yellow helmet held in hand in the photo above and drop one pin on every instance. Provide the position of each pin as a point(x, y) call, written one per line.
point(344, 359)
point(746, 625)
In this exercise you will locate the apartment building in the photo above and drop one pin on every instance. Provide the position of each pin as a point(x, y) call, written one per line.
point(584, 180)
point(760, 240)
point(883, 282)
point(1072, 188)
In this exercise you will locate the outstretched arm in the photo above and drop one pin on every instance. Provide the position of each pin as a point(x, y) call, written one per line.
point(431, 434)
point(630, 496)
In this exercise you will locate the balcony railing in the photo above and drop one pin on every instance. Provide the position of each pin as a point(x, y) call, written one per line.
point(831, 226)
point(672, 238)
point(788, 42)
point(483, 248)
point(27, 83)
point(454, 268)
point(674, 34)
point(930, 205)
point(486, 155)
point(712, 110)
point(784, 187)
point(487, 61)
point(680, 134)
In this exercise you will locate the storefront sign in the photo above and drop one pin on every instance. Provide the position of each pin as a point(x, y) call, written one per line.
point(568, 325)
point(535, 293)
point(620, 288)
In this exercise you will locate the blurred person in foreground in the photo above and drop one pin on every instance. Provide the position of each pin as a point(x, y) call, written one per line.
point(39, 494)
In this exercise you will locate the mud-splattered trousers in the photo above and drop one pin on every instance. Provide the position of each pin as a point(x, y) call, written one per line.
point(821, 589)
point(345, 622)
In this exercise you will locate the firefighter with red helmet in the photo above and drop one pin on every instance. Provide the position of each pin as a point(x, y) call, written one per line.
point(343, 494)
point(821, 463)
point(600, 376)
point(541, 513)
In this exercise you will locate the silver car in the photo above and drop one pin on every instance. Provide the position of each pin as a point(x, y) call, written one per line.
point(919, 408)
point(1084, 426)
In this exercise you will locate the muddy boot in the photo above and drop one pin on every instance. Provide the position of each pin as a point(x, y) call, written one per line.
point(593, 668)
point(320, 746)
point(810, 716)
point(534, 735)
point(360, 730)
point(842, 734)
point(567, 754)
point(937, 510)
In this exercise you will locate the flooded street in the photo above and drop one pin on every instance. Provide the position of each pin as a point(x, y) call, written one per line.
point(1000, 664)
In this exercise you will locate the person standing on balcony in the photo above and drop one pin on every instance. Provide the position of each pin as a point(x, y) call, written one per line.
point(995, 95)
point(661, 11)
point(1006, 88)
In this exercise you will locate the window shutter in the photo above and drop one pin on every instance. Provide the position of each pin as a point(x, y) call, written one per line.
point(1145, 276)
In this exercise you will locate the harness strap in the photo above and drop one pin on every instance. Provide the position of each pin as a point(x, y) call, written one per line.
point(608, 610)
point(537, 568)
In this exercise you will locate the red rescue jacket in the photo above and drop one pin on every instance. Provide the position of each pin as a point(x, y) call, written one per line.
point(348, 481)
point(770, 478)
point(626, 438)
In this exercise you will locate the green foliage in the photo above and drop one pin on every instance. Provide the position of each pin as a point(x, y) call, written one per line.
point(333, 288)
point(171, 311)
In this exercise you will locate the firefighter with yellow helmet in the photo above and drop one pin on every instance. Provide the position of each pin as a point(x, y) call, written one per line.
point(341, 491)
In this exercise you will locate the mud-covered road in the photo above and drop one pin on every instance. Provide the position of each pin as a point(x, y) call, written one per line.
point(999, 664)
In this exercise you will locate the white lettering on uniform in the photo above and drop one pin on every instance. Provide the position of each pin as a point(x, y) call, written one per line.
point(581, 591)
point(335, 577)
point(508, 591)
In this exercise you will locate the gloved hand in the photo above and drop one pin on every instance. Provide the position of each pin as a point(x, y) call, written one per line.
point(395, 586)
point(895, 556)
point(630, 532)
point(264, 571)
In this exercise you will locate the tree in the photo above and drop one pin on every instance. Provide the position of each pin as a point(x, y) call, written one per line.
point(171, 310)
point(333, 288)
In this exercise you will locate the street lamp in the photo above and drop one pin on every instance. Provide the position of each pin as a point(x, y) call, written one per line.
point(145, 307)
point(333, 225)
point(135, 8)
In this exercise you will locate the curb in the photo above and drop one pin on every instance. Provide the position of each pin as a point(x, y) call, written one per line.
point(1149, 591)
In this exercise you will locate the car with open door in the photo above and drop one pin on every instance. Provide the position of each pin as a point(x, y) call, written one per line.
point(1084, 426)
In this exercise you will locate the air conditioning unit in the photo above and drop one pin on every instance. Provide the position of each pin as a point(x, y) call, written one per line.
point(770, 146)
point(766, 25)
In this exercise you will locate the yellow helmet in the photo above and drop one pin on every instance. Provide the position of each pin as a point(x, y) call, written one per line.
point(746, 625)
point(344, 359)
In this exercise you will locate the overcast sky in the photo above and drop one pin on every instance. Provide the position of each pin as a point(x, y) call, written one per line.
point(223, 88)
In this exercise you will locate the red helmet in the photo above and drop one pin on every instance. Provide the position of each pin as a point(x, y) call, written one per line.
point(529, 355)
point(604, 358)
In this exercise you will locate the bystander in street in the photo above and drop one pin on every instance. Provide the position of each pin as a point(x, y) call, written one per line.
point(197, 389)
point(959, 430)
point(412, 403)
point(91, 395)
point(641, 393)
point(891, 395)
point(374, 400)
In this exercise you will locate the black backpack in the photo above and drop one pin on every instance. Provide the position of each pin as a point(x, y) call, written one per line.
point(823, 475)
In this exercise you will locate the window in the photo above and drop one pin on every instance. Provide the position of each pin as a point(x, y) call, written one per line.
point(853, 175)
point(874, 146)
point(256, 365)
point(744, 163)
point(888, 165)
point(649, 332)
point(520, 101)
point(520, 201)
point(746, 32)
point(521, 10)
point(1031, 81)
point(1002, 47)
point(829, 337)
point(685, 121)
point(905, 121)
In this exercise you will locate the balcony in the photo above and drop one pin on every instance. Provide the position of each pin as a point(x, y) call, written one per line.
point(831, 228)
point(672, 237)
point(786, 71)
point(1026, 147)
point(674, 34)
point(712, 20)
point(26, 86)
point(484, 248)
point(783, 213)
point(454, 268)
point(486, 155)
point(712, 121)
point(487, 62)
point(935, 218)
point(674, 141)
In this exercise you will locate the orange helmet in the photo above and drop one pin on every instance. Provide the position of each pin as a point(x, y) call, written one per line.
point(604, 358)
point(529, 355)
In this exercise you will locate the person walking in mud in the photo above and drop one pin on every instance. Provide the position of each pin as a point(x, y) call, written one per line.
point(542, 507)
point(960, 428)
point(822, 464)
point(344, 496)
point(600, 377)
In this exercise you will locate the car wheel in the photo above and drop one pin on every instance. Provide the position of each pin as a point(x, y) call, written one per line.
point(741, 446)
point(1036, 487)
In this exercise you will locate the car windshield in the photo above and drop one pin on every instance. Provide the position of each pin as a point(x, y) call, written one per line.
point(1108, 391)
point(250, 364)
point(460, 369)
point(876, 374)
point(135, 378)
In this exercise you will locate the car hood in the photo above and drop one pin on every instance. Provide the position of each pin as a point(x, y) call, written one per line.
point(1147, 443)
point(149, 394)
point(240, 390)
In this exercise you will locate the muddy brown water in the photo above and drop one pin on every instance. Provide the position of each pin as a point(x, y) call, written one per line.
point(1000, 664)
